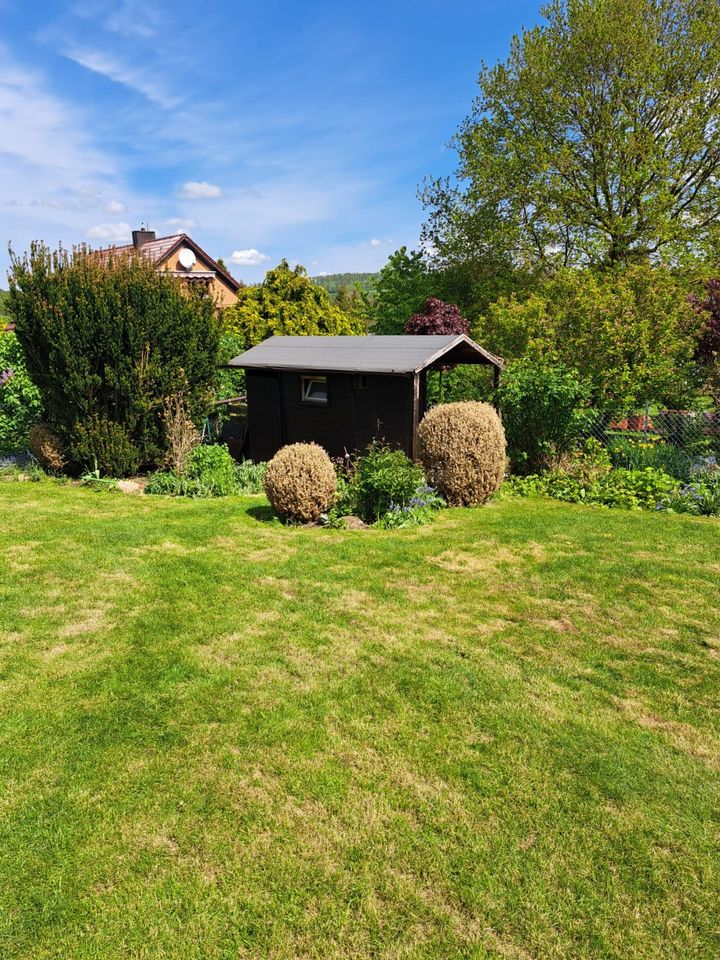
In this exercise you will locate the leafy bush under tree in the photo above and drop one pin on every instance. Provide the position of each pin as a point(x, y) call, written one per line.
point(544, 411)
point(106, 341)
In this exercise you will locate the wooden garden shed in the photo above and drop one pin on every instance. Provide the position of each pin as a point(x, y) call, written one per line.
point(344, 392)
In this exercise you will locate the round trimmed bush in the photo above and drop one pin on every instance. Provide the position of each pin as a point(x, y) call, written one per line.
point(46, 448)
point(300, 482)
point(462, 448)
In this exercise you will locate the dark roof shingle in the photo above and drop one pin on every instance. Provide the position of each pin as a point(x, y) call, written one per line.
point(369, 354)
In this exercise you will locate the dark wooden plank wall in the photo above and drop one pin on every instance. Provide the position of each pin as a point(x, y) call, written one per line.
point(358, 411)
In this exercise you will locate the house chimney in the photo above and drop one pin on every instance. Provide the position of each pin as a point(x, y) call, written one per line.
point(141, 236)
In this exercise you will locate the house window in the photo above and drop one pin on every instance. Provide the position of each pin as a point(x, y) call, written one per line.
point(314, 389)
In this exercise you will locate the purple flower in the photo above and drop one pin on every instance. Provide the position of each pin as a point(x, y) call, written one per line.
point(6, 375)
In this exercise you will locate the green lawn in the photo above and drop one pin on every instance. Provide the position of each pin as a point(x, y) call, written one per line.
point(494, 737)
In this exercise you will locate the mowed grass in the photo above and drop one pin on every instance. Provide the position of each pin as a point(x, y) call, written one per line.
point(494, 737)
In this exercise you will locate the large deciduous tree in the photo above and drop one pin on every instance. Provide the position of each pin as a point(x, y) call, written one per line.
point(708, 344)
point(287, 303)
point(597, 141)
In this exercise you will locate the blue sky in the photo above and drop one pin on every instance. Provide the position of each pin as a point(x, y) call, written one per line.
point(264, 130)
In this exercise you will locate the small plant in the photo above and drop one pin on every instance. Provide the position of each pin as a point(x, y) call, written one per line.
point(214, 469)
point(462, 447)
point(47, 448)
point(300, 482)
point(701, 496)
point(249, 476)
point(382, 479)
point(420, 509)
point(181, 434)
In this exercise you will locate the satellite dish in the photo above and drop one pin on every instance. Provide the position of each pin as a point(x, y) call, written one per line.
point(186, 259)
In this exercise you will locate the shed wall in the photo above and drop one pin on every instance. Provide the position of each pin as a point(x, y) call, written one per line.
point(354, 416)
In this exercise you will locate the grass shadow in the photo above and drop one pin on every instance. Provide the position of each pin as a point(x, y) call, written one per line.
point(262, 513)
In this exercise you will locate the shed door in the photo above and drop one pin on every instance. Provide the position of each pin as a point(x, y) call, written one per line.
point(264, 415)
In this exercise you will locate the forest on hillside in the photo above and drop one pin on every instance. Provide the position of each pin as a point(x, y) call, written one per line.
point(335, 282)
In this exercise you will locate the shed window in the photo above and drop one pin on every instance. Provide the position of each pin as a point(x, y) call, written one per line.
point(314, 389)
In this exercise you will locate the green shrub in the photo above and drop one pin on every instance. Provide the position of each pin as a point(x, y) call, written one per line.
point(383, 479)
point(20, 402)
point(105, 446)
point(249, 476)
point(300, 482)
point(214, 468)
point(111, 338)
point(462, 447)
point(544, 412)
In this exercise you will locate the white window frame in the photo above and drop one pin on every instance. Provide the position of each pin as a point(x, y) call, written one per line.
point(306, 382)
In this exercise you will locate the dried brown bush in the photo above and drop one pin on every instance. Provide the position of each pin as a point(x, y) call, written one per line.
point(300, 482)
point(181, 434)
point(462, 448)
point(47, 448)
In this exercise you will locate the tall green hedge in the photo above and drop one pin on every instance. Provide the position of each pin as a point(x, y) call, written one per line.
point(105, 341)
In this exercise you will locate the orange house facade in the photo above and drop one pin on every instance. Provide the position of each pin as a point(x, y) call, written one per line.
point(180, 255)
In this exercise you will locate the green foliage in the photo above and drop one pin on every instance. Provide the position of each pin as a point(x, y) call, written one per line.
point(20, 402)
point(544, 412)
point(700, 496)
point(249, 476)
point(4, 303)
point(286, 303)
point(630, 332)
point(594, 142)
point(420, 509)
point(637, 453)
point(399, 291)
point(167, 483)
point(629, 489)
point(111, 339)
point(213, 466)
point(383, 479)
point(105, 446)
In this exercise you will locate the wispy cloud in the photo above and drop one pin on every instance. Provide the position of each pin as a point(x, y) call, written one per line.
point(248, 258)
point(181, 223)
point(112, 232)
point(134, 76)
point(200, 190)
point(115, 206)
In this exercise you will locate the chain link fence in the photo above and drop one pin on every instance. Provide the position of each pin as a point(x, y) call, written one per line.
point(670, 440)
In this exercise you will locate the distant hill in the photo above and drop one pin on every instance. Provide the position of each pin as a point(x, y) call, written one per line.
point(334, 282)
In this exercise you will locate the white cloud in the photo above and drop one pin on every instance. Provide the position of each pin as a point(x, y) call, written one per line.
point(112, 232)
point(115, 206)
point(181, 223)
point(134, 77)
point(200, 190)
point(375, 243)
point(248, 258)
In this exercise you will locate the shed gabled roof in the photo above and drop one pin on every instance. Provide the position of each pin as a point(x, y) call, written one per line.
point(370, 354)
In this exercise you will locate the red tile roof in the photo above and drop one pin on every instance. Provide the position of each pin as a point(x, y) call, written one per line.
point(159, 249)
